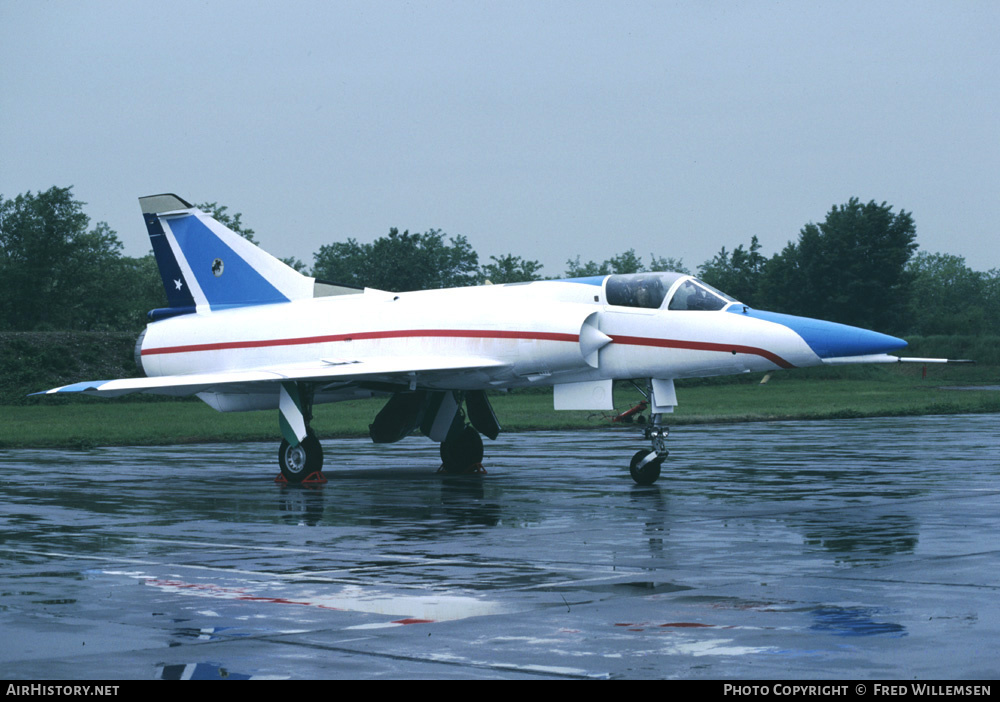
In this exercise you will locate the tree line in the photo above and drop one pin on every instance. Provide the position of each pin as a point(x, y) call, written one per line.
point(860, 266)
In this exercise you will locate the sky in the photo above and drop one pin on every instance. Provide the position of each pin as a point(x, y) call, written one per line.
point(544, 129)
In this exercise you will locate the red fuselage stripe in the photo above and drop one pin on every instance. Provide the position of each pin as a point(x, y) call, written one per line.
point(361, 336)
point(470, 334)
point(702, 346)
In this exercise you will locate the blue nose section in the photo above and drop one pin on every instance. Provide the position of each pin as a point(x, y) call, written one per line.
point(832, 340)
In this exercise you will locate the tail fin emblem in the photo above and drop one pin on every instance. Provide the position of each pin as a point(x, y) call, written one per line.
point(217, 267)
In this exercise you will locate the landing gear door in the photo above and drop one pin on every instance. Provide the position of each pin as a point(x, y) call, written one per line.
point(663, 398)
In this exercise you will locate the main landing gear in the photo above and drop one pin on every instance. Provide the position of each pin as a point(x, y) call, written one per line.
point(439, 416)
point(462, 445)
point(300, 455)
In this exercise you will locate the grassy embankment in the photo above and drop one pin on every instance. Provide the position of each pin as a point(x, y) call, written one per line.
point(801, 394)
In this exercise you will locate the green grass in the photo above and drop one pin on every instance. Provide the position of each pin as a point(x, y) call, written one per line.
point(805, 394)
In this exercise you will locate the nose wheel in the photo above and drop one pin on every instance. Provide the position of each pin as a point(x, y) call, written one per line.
point(645, 466)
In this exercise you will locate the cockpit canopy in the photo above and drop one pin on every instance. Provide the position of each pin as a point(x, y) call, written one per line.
point(672, 291)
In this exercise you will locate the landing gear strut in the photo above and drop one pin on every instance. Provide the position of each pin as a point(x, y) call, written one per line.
point(300, 455)
point(646, 463)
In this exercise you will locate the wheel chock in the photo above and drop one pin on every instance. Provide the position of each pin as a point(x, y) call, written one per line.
point(476, 468)
point(314, 478)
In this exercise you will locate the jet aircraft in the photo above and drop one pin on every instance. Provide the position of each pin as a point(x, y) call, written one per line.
point(243, 331)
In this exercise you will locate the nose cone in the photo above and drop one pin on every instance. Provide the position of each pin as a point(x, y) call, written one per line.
point(832, 340)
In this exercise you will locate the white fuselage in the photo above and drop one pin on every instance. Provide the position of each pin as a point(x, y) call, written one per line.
point(545, 333)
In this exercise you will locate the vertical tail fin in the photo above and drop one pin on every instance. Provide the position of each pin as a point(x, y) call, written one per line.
point(207, 266)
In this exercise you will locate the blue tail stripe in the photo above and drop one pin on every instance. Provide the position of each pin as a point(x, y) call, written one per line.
point(178, 294)
point(223, 276)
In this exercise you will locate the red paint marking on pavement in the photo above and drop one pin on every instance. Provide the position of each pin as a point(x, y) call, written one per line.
point(413, 621)
point(232, 593)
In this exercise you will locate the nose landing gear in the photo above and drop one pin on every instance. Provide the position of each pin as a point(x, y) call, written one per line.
point(646, 463)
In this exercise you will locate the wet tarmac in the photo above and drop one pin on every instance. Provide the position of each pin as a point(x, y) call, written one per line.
point(835, 549)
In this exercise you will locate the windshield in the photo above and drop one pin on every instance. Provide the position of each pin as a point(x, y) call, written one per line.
point(695, 295)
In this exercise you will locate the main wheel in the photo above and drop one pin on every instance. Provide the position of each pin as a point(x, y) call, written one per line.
point(301, 461)
point(463, 453)
point(647, 474)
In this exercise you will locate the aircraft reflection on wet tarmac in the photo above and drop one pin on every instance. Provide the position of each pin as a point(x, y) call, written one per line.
point(858, 548)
